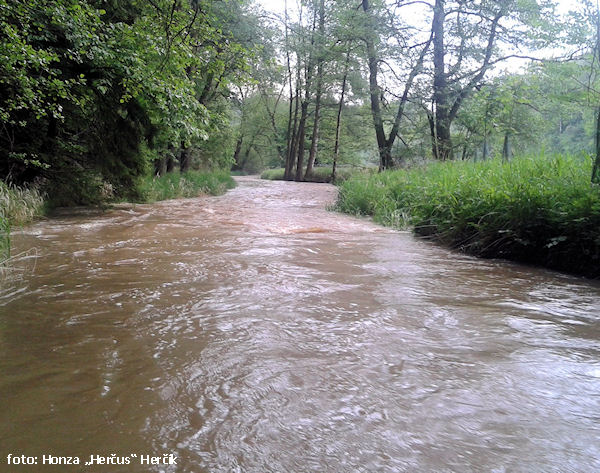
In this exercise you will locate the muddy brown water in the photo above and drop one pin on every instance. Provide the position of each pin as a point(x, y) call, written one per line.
point(259, 332)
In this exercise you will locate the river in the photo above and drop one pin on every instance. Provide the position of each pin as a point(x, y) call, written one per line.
point(259, 332)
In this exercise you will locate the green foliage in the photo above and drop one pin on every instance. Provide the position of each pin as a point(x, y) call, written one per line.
point(189, 184)
point(216, 152)
point(88, 86)
point(541, 210)
point(509, 106)
point(259, 137)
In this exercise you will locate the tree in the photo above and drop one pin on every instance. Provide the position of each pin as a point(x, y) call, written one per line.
point(93, 91)
point(371, 38)
point(320, 60)
point(466, 35)
point(502, 113)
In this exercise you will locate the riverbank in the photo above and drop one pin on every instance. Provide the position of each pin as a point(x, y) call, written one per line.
point(537, 210)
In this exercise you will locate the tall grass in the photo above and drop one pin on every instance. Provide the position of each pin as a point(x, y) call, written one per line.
point(273, 174)
point(4, 239)
point(540, 209)
point(18, 206)
point(190, 184)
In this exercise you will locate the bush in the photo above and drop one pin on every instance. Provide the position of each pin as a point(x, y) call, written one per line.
point(540, 210)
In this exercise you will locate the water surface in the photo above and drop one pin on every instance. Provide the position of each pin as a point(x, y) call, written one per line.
point(258, 332)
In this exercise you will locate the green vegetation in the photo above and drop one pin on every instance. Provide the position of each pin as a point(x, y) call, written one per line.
point(188, 184)
point(273, 174)
point(96, 95)
point(18, 206)
point(319, 174)
point(540, 210)
point(4, 239)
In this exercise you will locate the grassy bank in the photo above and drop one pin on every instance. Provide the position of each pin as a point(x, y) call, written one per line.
point(189, 184)
point(540, 210)
point(320, 174)
point(18, 206)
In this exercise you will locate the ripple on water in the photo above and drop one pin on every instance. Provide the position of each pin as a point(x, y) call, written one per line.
point(258, 332)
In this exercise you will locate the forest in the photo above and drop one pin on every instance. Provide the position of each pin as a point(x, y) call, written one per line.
point(111, 100)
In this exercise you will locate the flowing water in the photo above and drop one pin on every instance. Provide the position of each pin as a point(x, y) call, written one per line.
point(259, 332)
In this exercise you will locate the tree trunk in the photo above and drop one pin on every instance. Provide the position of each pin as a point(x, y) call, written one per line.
point(440, 86)
point(596, 168)
point(384, 143)
point(486, 148)
point(434, 142)
point(236, 153)
point(164, 164)
point(292, 140)
point(375, 92)
point(319, 90)
point(315, 136)
point(305, 101)
point(464, 152)
point(301, 138)
point(170, 160)
point(338, 124)
point(506, 148)
point(292, 116)
point(185, 159)
point(160, 166)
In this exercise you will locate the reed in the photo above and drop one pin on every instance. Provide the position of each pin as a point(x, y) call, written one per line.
point(535, 209)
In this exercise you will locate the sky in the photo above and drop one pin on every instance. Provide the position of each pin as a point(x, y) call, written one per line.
point(277, 6)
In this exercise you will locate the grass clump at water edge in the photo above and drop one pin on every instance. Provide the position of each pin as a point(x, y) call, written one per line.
point(189, 184)
point(541, 210)
point(18, 206)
